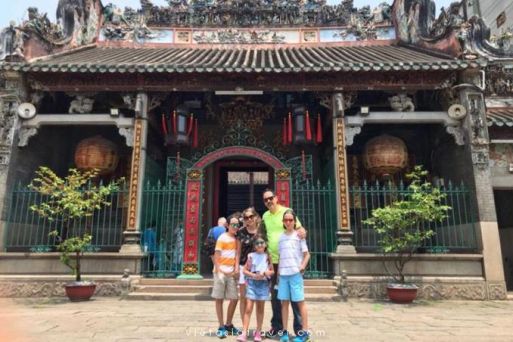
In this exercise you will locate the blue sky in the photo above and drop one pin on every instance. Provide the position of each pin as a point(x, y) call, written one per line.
point(17, 10)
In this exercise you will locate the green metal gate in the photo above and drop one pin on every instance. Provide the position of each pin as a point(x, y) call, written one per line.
point(162, 229)
point(26, 231)
point(315, 205)
point(455, 234)
point(162, 220)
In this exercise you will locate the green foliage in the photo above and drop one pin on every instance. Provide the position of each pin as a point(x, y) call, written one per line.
point(400, 224)
point(68, 199)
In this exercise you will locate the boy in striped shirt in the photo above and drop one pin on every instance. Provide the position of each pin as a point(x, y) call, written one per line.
point(225, 275)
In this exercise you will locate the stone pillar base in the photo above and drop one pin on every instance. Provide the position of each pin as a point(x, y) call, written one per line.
point(497, 291)
point(3, 236)
point(131, 243)
point(345, 242)
point(346, 249)
point(190, 271)
point(130, 249)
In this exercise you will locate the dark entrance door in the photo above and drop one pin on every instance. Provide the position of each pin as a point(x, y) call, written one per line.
point(503, 200)
point(240, 185)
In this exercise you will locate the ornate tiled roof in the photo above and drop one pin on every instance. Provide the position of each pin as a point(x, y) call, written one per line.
point(241, 59)
point(500, 117)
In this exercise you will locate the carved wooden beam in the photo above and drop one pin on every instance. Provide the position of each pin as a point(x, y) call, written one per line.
point(349, 81)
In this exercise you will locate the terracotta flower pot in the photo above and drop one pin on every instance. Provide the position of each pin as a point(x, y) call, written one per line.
point(80, 291)
point(402, 293)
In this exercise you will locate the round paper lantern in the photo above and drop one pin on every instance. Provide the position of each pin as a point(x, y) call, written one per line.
point(97, 153)
point(385, 155)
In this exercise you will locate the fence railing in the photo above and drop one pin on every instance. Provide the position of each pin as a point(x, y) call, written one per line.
point(455, 234)
point(315, 205)
point(26, 231)
point(163, 208)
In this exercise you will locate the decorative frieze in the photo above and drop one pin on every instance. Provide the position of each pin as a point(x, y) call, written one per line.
point(439, 290)
point(34, 289)
point(246, 13)
point(499, 81)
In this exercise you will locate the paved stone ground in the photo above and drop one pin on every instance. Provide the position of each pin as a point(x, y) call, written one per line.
point(111, 319)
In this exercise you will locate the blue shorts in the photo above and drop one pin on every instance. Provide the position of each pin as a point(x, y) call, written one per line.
point(257, 289)
point(291, 288)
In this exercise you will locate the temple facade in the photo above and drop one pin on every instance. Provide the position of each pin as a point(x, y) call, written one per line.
point(201, 105)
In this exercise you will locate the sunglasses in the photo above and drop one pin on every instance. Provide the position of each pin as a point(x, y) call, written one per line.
point(249, 217)
point(260, 243)
point(234, 225)
point(270, 198)
point(288, 220)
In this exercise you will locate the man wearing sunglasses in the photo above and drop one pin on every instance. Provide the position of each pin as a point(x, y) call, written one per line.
point(272, 227)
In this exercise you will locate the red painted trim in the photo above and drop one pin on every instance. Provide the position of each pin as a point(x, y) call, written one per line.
point(217, 189)
point(194, 200)
point(239, 151)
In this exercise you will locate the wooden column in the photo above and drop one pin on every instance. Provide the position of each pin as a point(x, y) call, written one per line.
point(132, 233)
point(344, 233)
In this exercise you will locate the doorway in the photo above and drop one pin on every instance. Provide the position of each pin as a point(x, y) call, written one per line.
point(504, 206)
point(233, 185)
point(239, 185)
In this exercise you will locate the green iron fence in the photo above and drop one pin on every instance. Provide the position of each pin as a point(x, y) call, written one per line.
point(26, 231)
point(455, 234)
point(162, 220)
point(315, 205)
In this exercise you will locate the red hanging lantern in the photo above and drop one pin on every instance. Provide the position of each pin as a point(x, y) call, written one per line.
point(173, 122)
point(195, 134)
point(164, 124)
point(182, 126)
point(190, 125)
point(318, 135)
point(284, 132)
point(307, 127)
point(289, 129)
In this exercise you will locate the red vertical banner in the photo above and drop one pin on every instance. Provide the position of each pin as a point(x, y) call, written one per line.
point(282, 187)
point(283, 192)
point(192, 214)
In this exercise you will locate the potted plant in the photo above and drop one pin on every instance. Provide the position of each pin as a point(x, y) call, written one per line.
point(68, 200)
point(403, 226)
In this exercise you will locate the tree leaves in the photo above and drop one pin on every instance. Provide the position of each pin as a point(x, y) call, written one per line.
point(403, 225)
point(68, 199)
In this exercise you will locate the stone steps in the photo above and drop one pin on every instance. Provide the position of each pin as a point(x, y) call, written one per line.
point(209, 281)
point(184, 289)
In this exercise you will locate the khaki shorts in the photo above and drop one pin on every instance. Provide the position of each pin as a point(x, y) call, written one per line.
point(225, 287)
